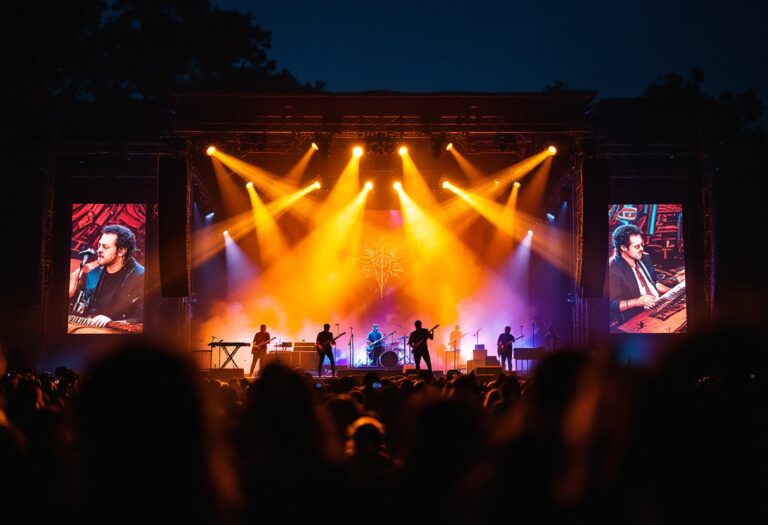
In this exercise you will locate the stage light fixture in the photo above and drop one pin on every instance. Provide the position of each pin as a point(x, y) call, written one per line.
point(438, 140)
point(402, 151)
point(552, 150)
point(210, 151)
point(530, 232)
point(249, 185)
point(398, 185)
point(446, 184)
point(357, 151)
point(388, 145)
point(315, 146)
point(209, 216)
point(368, 185)
point(317, 185)
point(225, 233)
point(449, 147)
point(550, 218)
point(496, 182)
point(516, 184)
point(323, 142)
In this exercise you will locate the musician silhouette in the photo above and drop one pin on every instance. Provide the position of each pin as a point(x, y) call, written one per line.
point(259, 347)
point(324, 341)
point(418, 342)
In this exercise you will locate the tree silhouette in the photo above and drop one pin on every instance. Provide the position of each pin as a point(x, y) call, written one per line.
point(731, 114)
point(89, 50)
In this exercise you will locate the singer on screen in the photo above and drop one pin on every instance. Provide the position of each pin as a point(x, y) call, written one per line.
point(111, 288)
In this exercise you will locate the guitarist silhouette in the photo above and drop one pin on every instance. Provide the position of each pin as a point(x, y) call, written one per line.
point(259, 346)
point(325, 343)
point(504, 346)
point(418, 343)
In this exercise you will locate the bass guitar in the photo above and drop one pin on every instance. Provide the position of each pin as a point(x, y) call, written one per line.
point(321, 346)
point(258, 347)
point(416, 346)
point(508, 345)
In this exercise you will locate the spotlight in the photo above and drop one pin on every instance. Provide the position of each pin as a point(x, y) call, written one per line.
point(226, 233)
point(530, 232)
point(398, 185)
point(446, 184)
point(516, 184)
point(402, 151)
point(550, 218)
point(496, 182)
point(249, 185)
point(209, 216)
point(357, 151)
point(315, 146)
point(552, 150)
point(317, 185)
point(211, 150)
point(449, 147)
point(368, 185)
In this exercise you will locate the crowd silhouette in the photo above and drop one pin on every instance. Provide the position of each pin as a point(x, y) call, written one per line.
point(141, 436)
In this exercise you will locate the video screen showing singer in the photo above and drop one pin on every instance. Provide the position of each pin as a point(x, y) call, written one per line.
point(108, 292)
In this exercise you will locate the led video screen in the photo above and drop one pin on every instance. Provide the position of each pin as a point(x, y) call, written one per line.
point(106, 277)
point(646, 270)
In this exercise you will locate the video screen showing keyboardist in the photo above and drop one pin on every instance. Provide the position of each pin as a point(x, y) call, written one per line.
point(646, 269)
point(106, 278)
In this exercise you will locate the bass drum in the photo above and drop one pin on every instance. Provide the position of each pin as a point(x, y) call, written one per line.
point(389, 359)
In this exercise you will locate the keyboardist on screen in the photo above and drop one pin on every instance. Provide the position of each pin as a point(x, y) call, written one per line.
point(633, 282)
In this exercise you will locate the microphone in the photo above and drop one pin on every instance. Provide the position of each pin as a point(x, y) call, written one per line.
point(90, 252)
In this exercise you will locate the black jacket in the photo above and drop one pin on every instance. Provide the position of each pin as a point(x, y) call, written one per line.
point(622, 284)
point(128, 303)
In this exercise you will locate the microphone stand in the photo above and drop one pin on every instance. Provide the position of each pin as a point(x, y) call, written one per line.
point(351, 348)
point(80, 304)
point(333, 347)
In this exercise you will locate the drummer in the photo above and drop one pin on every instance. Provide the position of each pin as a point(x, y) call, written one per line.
point(375, 345)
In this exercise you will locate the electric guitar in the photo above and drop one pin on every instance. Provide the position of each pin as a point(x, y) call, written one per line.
point(321, 346)
point(503, 347)
point(260, 346)
point(454, 343)
point(371, 344)
point(417, 345)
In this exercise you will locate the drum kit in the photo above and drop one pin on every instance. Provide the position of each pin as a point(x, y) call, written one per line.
point(393, 354)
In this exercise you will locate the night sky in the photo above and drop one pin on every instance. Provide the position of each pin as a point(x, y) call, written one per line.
point(478, 45)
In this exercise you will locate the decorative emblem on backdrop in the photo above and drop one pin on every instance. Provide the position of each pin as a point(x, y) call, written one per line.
point(382, 263)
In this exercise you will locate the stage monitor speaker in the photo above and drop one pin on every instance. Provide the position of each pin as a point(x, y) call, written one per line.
point(307, 361)
point(172, 227)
